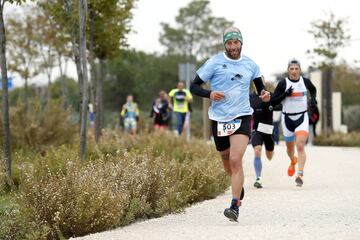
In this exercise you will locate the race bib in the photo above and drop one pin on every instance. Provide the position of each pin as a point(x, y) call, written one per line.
point(228, 128)
point(265, 128)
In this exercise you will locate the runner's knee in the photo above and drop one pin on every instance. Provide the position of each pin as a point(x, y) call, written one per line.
point(235, 164)
point(257, 151)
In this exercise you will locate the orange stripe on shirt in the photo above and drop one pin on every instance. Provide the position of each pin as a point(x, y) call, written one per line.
point(298, 94)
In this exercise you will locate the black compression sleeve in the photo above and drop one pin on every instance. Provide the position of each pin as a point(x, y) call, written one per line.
point(279, 93)
point(259, 85)
point(310, 87)
point(196, 89)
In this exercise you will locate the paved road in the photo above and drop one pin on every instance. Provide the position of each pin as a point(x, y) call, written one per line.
point(326, 207)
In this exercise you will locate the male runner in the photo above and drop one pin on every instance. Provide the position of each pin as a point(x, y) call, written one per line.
point(294, 119)
point(230, 74)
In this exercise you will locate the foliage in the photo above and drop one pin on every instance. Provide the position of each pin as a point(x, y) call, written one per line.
point(351, 139)
point(140, 74)
point(40, 126)
point(352, 116)
point(330, 35)
point(198, 33)
point(112, 24)
point(72, 91)
point(347, 81)
point(126, 179)
point(22, 46)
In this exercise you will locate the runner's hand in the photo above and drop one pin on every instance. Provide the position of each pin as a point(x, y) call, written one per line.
point(289, 91)
point(265, 96)
point(216, 95)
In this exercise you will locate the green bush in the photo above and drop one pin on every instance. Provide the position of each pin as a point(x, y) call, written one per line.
point(351, 139)
point(125, 178)
point(40, 126)
point(351, 117)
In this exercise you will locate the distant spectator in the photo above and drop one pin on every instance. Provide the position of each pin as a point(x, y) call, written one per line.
point(179, 102)
point(129, 115)
point(160, 112)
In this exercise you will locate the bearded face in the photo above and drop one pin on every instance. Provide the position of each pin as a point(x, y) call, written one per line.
point(233, 48)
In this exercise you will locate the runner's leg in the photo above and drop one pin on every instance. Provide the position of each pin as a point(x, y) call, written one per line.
point(238, 144)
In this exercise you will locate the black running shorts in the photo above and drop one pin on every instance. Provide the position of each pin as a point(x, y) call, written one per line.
point(258, 138)
point(223, 143)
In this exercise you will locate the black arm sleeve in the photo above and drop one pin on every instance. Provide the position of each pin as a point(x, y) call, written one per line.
point(270, 106)
point(259, 85)
point(311, 88)
point(196, 89)
point(277, 107)
point(279, 93)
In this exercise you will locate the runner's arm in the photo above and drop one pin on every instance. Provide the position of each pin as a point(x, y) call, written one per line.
point(280, 93)
point(269, 106)
point(312, 90)
point(196, 89)
point(259, 85)
point(277, 107)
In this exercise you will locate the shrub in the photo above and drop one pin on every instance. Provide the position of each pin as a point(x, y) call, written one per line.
point(339, 139)
point(40, 126)
point(124, 179)
point(351, 117)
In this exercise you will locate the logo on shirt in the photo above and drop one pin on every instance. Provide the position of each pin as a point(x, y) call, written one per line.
point(237, 77)
point(224, 66)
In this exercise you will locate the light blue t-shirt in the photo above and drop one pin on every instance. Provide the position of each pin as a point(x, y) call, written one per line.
point(233, 77)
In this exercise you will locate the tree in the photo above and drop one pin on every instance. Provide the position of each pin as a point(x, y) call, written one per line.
point(330, 35)
point(23, 47)
point(109, 22)
point(5, 94)
point(198, 34)
point(47, 32)
point(107, 26)
point(83, 60)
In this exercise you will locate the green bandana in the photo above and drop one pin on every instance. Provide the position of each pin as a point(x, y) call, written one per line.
point(233, 35)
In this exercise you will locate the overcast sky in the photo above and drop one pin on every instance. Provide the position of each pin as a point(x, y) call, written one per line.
point(273, 31)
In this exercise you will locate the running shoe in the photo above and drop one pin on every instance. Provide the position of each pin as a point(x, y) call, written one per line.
point(299, 181)
point(232, 214)
point(291, 169)
point(257, 183)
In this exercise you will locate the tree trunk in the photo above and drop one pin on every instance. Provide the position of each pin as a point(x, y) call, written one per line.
point(93, 77)
point(83, 126)
point(76, 54)
point(327, 100)
point(49, 73)
point(48, 95)
point(5, 102)
point(99, 100)
point(62, 82)
point(26, 94)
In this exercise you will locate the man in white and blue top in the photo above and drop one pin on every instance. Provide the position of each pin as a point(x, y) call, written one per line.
point(230, 75)
point(294, 119)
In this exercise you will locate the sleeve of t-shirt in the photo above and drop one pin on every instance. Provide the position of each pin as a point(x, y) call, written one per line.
point(206, 71)
point(257, 72)
point(171, 93)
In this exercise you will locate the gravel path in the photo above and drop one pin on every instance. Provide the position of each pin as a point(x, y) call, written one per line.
point(326, 207)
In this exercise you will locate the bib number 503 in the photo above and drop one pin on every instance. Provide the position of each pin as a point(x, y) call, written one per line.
point(228, 126)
